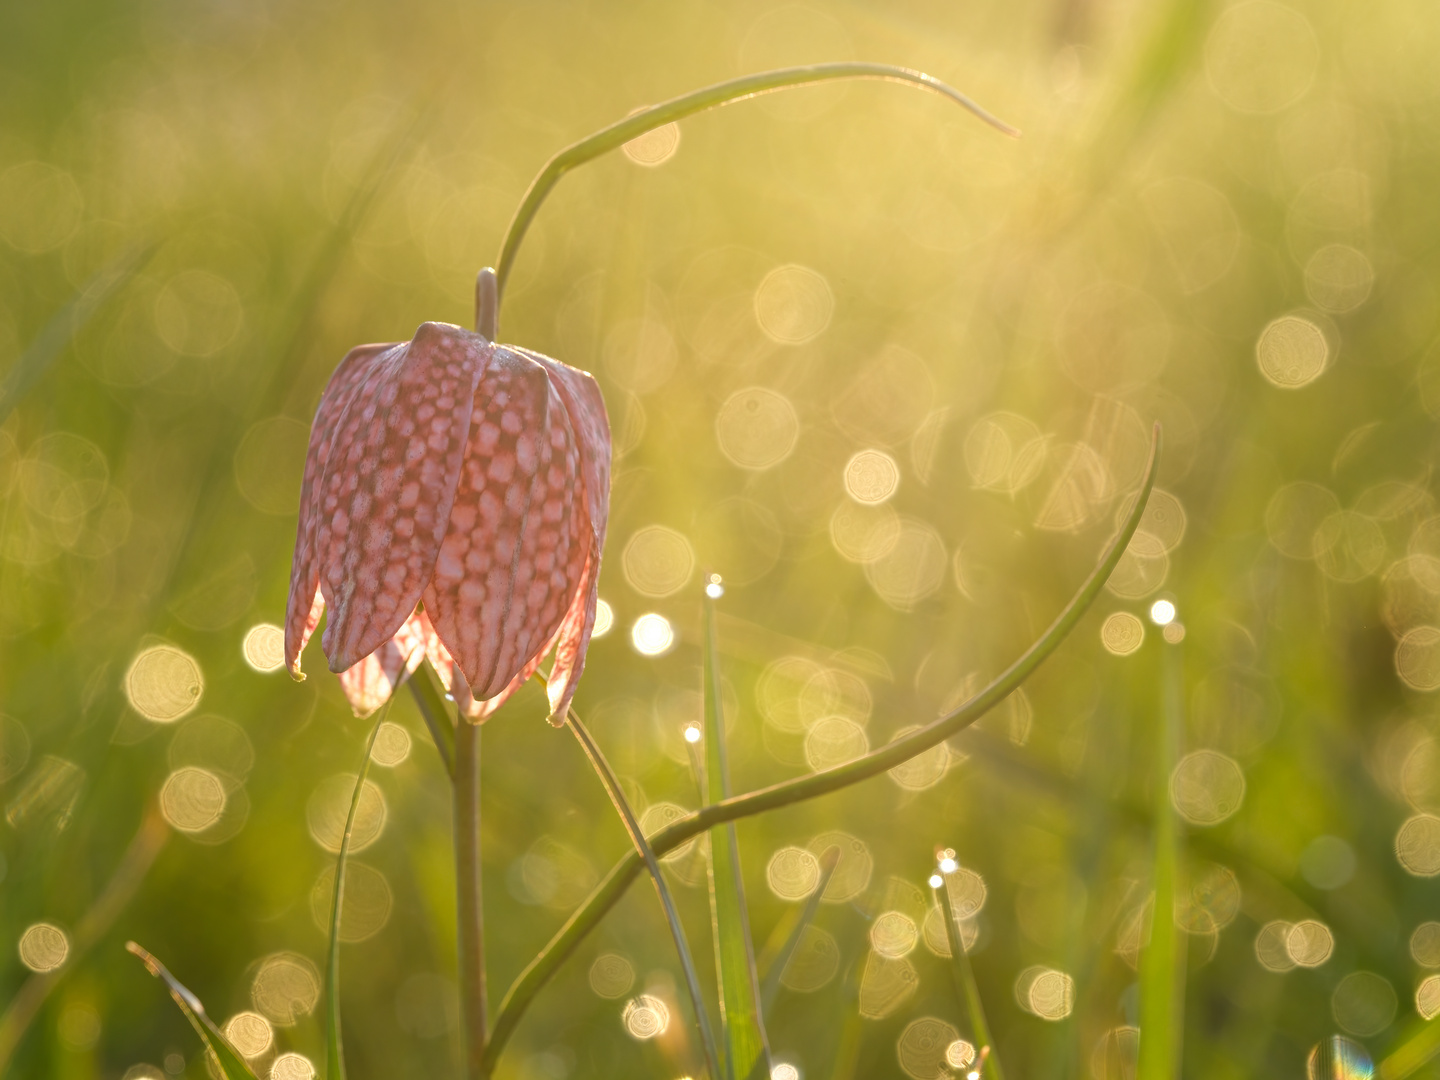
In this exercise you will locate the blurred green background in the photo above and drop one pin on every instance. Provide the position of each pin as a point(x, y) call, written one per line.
point(889, 372)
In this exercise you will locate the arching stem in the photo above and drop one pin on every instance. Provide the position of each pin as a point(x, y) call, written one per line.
point(710, 97)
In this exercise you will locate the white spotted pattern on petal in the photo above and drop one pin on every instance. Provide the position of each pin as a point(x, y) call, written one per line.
point(302, 612)
point(503, 578)
point(390, 484)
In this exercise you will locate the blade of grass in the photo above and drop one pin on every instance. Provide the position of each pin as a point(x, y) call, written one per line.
point(232, 1065)
point(667, 901)
point(1161, 963)
point(965, 986)
point(134, 865)
point(334, 1048)
point(709, 97)
point(437, 718)
point(47, 346)
point(540, 970)
point(774, 964)
point(746, 1048)
point(1422, 1043)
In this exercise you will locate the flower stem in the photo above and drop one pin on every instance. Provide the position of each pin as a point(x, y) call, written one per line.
point(469, 910)
point(709, 97)
point(540, 970)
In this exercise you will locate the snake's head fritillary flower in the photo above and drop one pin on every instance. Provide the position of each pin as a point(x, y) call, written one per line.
point(454, 506)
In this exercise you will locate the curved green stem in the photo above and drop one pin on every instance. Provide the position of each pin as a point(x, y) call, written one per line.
point(710, 97)
point(667, 901)
point(609, 891)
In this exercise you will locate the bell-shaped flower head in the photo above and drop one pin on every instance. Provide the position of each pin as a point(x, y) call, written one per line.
point(454, 505)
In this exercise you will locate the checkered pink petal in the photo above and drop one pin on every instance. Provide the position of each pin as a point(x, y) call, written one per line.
point(306, 603)
point(369, 684)
point(475, 476)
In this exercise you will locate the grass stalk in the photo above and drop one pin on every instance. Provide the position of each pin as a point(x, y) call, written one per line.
point(774, 965)
point(965, 986)
point(642, 846)
point(747, 1050)
point(540, 970)
point(334, 1045)
point(1161, 962)
point(709, 97)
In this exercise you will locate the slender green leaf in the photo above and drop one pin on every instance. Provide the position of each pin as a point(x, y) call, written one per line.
point(745, 1047)
point(793, 929)
point(1161, 962)
point(607, 894)
point(709, 97)
point(1418, 1046)
point(677, 930)
point(437, 718)
point(47, 346)
point(965, 986)
point(229, 1059)
point(334, 1049)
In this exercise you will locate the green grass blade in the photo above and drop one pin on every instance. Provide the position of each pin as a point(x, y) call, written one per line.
point(47, 346)
point(746, 1049)
point(773, 965)
point(607, 894)
point(966, 987)
point(334, 1049)
point(437, 718)
point(1421, 1042)
point(231, 1063)
point(677, 930)
point(1161, 962)
point(709, 97)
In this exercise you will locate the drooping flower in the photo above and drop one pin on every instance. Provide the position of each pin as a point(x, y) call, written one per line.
point(454, 506)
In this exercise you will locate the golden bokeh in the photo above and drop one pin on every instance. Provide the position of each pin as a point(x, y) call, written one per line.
point(923, 1047)
point(792, 873)
point(1309, 943)
point(392, 745)
point(894, 934)
point(292, 1066)
point(329, 807)
point(1417, 845)
point(192, 799)
point(365, 908)
point(43, 947)
point(611, 976)
point(654, 148)
point(851, 875)
point(164, 683)
point(1427, 997)
point(886, 985)
point(645, 1017)
point(1363, 1003)
point(871, 477)
point(284, 988)
point(1122, 633)
point(814, 962)
point(793, 304)
point(264, 647)
point(657, 561)
point(250, 1033)
point(1292, 352)
point(1207, 787)
point(757, 428)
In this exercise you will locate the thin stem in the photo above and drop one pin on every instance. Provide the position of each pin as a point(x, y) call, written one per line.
point(642, 847)
point(710, 97)
point(437, 718)
point(965, 986)
point(468, 906)
point(334, 1043)
point(609, 891)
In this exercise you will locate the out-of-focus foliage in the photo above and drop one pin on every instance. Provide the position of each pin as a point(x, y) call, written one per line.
point(886, 371)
